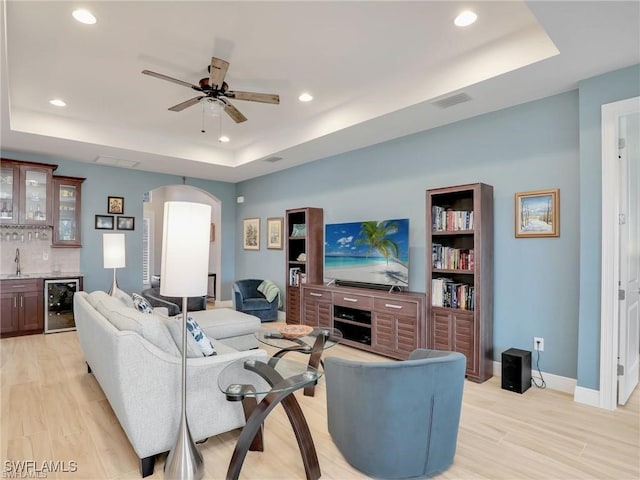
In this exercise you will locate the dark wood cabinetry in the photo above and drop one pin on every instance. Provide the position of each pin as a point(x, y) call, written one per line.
point(460, 274)
point(304, 255)
point(25, 193)
point(21, 307)
point(67, 196)
point(391, 324)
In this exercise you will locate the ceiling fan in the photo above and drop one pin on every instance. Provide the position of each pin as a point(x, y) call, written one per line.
point(216, 89)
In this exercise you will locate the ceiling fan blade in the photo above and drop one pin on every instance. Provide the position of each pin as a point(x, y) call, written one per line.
point(171, 79)
point(218, 70)
point(234, 113)
point(181, 106)
point(254, 97)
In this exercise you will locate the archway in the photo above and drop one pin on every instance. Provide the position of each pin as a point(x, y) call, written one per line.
point(153, 212)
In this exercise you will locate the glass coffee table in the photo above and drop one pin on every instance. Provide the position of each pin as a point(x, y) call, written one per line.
point(276, 379)
point(302, 339)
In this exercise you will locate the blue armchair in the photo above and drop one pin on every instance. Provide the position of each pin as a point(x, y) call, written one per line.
point(396, 419)
point(247, 299)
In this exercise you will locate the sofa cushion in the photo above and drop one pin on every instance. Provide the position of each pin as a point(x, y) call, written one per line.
point(141, 304)
point(150, 327)
point(175, 326)
point(200, 337)
point(220, 323)
point(123, 296)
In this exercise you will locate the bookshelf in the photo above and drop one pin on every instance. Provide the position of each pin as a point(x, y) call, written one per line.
point(460, 274)
point(304, 255)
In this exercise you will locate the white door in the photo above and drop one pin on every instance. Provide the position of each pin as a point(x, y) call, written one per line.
point(629, 285)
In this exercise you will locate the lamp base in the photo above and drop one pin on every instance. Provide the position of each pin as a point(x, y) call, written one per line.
point(185, 460)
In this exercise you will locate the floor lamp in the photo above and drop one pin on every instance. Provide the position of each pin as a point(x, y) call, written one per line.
point(184, 273)
point(113, 254)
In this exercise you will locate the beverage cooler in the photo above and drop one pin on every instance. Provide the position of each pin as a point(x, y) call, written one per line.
point(58, 304)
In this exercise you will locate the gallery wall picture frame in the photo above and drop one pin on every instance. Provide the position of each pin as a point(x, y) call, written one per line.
point(125, 223)
point(104, 222)
point(537, 213)
point(275, 226)
point(251, 234)
point(115, 205)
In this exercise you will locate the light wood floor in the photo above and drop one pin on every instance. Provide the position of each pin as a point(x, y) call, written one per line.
point(52, 410)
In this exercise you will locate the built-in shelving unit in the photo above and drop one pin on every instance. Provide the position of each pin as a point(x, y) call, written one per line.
point(460, 274)
point(304, 255)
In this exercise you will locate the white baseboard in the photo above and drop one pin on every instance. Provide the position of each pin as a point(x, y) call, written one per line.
point(587, 396)
point(554, 382)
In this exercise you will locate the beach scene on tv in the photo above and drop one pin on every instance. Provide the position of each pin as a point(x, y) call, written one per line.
point(372, 252)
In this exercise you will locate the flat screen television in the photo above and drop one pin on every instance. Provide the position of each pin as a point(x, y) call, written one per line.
point(369, 254)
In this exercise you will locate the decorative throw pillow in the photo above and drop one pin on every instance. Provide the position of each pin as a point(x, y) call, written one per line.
point(141, 303)
point(200, 337)
point(175, 326)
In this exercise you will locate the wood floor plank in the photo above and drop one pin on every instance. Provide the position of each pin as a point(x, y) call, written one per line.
point(52, 409)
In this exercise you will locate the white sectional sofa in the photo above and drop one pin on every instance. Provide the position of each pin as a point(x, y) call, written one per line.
point(136, 360)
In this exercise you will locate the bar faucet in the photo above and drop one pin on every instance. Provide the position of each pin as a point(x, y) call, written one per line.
point(17, 260)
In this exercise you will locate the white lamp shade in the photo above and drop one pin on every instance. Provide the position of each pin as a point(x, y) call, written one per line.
point(113, 250)
point(185, 249)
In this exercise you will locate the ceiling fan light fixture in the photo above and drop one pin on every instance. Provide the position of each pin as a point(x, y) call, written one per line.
point(305, 97)
point(466, 18)
point(84, 16)
point(57, 102)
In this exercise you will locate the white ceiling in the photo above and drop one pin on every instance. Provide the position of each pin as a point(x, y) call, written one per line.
point(373, 67)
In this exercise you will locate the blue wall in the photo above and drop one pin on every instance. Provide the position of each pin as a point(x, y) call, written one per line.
point(103, 181)
point(529, 147)
point(594, 93)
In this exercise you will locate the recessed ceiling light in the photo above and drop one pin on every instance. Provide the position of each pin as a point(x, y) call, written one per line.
point(57, 102)
point(465, 19)
point(305, 97)
point(224, 139)
point(84, 16)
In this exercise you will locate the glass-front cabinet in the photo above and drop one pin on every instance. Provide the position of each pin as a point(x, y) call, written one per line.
point(8, 192)
point(25, 193)
point(67, 193)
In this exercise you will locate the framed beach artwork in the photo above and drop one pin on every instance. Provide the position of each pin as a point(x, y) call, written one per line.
point(274, 232)
point(251, 234)
point(537, 214)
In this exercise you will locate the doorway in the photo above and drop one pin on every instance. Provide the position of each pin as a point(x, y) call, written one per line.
point(620, 335)
point(153, 213)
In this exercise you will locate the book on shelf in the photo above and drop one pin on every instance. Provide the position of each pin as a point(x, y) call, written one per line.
point(447, 258)
point(445, 292)
point(449, 220)
point(294, 276)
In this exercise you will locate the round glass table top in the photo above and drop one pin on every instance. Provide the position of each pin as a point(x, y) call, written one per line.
point(306, 341)
point(258, 376)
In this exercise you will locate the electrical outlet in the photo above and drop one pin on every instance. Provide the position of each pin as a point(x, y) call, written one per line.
point(538, 343)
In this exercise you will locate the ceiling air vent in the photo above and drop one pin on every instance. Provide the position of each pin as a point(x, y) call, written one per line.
point(452, 100)
point(273, 159)
point(115, 162)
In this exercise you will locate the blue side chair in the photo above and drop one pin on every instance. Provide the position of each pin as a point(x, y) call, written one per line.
point(396, 419)
point(247, 299)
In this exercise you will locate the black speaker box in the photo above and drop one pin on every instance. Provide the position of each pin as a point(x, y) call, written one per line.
point(516, 370)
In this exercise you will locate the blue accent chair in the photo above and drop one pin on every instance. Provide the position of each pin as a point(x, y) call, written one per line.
point(396, 419)
point(247, 299)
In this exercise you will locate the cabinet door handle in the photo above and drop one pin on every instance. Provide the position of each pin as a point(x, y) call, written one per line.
point(21, 301)
point(348, 299)
point(15, 302)
point(391, 305)
point(314, 294)
point(18, 286)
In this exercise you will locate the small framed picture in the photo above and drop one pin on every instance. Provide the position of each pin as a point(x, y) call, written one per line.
point(274, 232)
point(251, 234)
point(126, 223)
point(538, 213)
point(115, 205)
point(104, 222)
